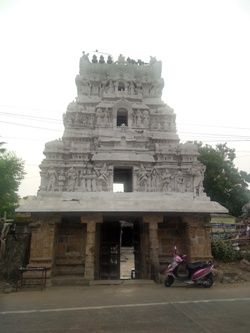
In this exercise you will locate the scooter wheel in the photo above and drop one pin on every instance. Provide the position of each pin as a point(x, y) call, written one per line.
point(208, 281)
point(169, 281)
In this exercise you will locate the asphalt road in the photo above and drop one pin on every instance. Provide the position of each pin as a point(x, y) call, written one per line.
point(130, 308)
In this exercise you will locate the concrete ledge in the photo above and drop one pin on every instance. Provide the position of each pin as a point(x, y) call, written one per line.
point(119, 202)
point(120, 282)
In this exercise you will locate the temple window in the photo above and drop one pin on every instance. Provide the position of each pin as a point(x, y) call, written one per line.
point(121, 86)
point(122, 117)
point(123, 179)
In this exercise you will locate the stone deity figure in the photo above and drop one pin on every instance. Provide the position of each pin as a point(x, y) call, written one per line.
point(131, 88)
point(142, 178)
point(44, 181)
point(152, 60)
point(105, 119)
point(145, 119)
point(85, 88)
point(110, 87)
point(83, 180)
point(197, 171)
point(166, 181)
point(179, 179)
point(138, 119)
point(89, 177)
point(98, 117)
point(52, 176)
point(61, 181)
point(154, 180)
point(102, 177)
point(134, 117)
point(72, 179)
point(84, 59)
point(121, 59)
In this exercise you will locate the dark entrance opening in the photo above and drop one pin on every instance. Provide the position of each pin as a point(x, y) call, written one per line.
point(127, 251)
point(127, 235)
point(122, 117)
point(119, 249)
point(124, 177)
point(110, 251)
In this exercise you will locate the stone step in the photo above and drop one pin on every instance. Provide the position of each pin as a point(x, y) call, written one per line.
point(69, 280)
point(72, 280)
point(121, 282)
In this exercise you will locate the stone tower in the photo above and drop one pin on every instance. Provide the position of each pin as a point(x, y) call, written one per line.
point(119, 131)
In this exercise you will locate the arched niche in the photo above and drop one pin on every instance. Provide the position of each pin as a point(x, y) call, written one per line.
point(122, 113)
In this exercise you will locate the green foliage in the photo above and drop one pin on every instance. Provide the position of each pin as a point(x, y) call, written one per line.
point(224, 251)
point(223, 182)
point(11, 175)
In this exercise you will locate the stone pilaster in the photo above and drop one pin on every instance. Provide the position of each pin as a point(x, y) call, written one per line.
point(42, 246)
point(90, 251)
point(198, 238)
point(152, 221)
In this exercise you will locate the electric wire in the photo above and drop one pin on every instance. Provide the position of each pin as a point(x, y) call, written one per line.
point(208, 137)
point(214, 135)
point(31, 126)
point(60, 120)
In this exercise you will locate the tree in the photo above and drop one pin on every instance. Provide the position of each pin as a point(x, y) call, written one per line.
point(2, 150)
point(223, 182)
point(11, 175)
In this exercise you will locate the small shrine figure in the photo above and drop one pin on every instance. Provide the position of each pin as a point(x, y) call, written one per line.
point(101, 59)
point(84, 58)
point(52, 180)
point(94, 59)
point(109, 60)
point(121, 59)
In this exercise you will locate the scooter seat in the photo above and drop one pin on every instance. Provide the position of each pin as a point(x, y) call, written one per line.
point(197, 264)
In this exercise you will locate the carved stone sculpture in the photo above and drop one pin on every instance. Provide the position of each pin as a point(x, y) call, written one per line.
point(52, 178)
point(197, 171)
point(72, 179)
point(167, 180)
point(142, 179)
point(61, 181)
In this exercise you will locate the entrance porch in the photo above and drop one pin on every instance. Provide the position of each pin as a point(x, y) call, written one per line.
point(115, 246)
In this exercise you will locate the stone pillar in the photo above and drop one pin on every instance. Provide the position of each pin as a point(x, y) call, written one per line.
point(90, 251)
point(42, 245)
point(198, 237)
point(152, 221)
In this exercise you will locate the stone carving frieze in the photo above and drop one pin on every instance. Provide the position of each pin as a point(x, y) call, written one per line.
point(165, 180)
point(88, 178)
point(140, 118)
point(78, 119)
point(104, 117)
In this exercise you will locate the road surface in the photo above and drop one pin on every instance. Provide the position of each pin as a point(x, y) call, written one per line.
point(127, 308)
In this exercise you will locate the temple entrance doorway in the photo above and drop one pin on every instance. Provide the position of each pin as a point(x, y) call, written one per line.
point(119, 250)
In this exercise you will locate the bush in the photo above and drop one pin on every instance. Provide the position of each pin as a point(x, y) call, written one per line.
point(224, 250)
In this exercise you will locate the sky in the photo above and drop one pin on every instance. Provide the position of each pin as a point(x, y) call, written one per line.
point(203, 45)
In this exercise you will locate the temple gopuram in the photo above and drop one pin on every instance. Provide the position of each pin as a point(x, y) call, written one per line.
point(118, 183)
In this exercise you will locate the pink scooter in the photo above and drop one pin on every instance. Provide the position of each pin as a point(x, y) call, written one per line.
point(199, 272)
